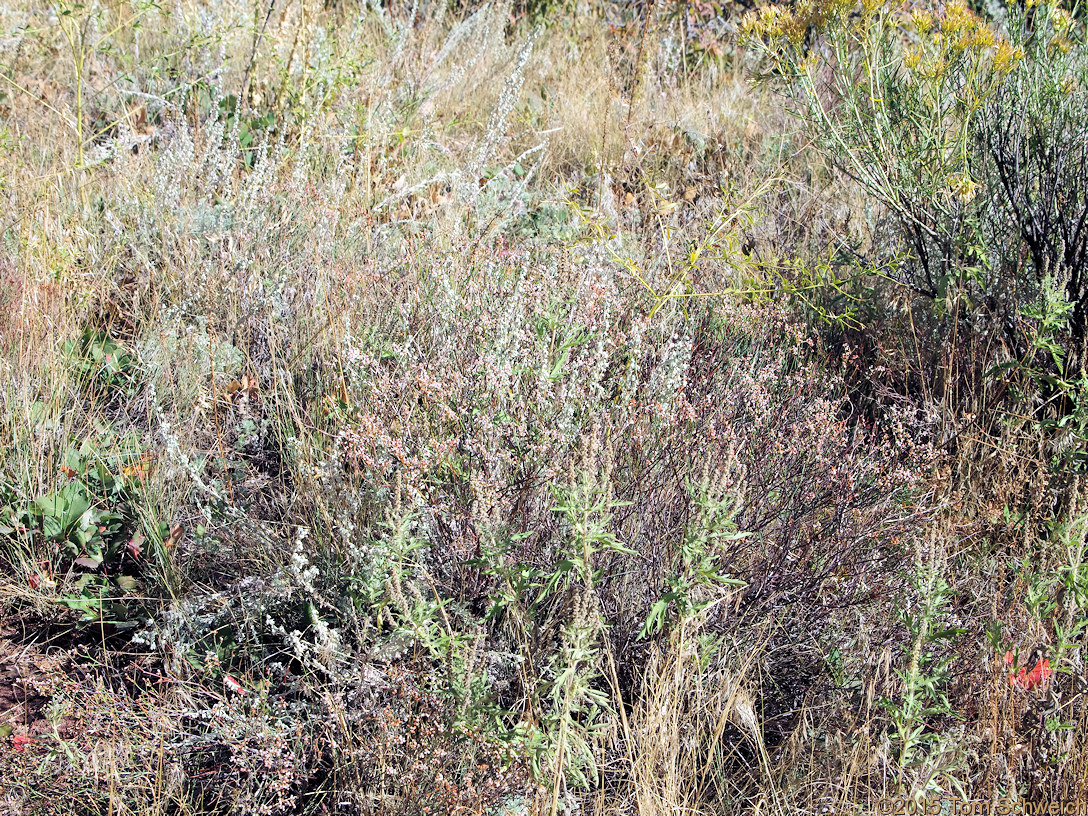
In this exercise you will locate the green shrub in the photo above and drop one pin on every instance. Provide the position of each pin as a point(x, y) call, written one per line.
point(83, 537)
point(972, 141)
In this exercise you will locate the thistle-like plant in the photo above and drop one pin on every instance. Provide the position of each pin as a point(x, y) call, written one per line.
point(923, 695)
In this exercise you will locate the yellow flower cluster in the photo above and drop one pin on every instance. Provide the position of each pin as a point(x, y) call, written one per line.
point(963, 187)
point(957, 32)
point(963, 30)
point(773, 23)
point(923, 21)
point(957, 18)
point(1061, 19)
point(927, 66)
point(946, 38)
point(1006, 57)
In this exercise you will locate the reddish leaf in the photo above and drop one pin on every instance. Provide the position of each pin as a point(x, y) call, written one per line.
point(1038, 676)
point(134, 546)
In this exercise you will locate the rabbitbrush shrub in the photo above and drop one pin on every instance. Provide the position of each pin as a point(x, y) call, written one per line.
point(969, 140)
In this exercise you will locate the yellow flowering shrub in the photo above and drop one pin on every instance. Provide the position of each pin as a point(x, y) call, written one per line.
point(892, 97)
point(971, 136)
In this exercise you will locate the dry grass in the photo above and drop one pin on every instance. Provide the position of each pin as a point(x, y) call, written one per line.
point(453, 441)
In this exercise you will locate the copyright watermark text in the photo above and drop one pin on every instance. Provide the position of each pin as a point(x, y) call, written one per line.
point(946, 806)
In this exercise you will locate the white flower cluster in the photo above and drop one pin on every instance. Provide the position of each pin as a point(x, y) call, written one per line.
point(669, 374)
point(300, 567)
